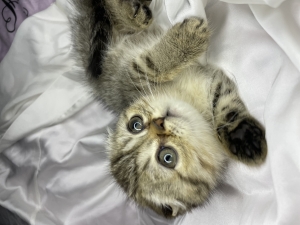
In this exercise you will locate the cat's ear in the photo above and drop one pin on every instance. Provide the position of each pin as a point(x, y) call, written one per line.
point(167, 211)
point(246, 142)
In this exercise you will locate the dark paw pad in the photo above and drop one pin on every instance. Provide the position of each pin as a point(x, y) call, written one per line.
point(247, 141)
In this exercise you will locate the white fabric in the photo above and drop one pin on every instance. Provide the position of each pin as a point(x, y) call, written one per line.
point(53, 162)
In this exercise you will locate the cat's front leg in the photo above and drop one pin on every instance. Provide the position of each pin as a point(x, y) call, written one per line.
point(241, 134)
point(176, 50)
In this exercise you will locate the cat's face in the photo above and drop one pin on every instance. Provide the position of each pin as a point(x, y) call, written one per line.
point(165, 155)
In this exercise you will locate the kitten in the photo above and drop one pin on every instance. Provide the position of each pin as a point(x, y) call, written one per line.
point(179, 122)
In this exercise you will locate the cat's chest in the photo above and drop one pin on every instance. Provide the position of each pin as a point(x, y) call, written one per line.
point(193, 88)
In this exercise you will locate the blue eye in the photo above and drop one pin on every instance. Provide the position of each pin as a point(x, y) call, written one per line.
point(135, 124)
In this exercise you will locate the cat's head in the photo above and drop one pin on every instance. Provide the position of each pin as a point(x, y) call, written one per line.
point(165, 155)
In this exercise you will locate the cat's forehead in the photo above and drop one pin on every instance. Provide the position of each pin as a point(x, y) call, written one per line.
point(156, 106)
point(145, 110)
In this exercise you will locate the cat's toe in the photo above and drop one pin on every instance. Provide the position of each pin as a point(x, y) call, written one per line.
point(191, 36)
point(193, 24)
point(247, 142)
point(141, 14)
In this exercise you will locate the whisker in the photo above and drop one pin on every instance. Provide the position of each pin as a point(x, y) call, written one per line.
point(149, 87)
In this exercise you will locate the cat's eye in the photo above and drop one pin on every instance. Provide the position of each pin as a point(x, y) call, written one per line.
point(135, 124)
point(167, 157)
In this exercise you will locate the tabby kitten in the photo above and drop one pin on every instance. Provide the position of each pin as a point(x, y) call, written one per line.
point(178, 121)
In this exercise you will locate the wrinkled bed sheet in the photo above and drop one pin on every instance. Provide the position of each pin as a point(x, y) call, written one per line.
point(53, 164)
point(13, 13)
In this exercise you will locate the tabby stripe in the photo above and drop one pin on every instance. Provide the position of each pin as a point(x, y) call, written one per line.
point(125, 142)
point(145, 167)
point(194, 181)
point(200, 24)
point(150, 64)
point(231, 116)
point(138, 69)
point(124, 154)
point(117, 159)
point(224, 108)
point(207, 166)
point(227, 91)
point(125, 173)
point(134, 185)
point(100, 39)
point(216, 96)
point(237, 100)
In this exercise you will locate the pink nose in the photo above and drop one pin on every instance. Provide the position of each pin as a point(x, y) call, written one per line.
point(159, 123)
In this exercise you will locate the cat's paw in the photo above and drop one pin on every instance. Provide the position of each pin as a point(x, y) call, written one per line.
point(246, 141)
point(190, 36)
point(139, 14)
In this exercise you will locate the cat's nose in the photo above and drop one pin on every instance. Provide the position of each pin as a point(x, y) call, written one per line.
point(159, 123)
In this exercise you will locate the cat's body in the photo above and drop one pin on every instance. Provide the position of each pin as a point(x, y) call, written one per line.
point(179, 121)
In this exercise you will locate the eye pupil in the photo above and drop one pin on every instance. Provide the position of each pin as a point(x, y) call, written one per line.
point(137, 126)
point(168, 158)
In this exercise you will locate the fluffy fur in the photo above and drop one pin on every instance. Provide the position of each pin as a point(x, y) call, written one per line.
point(194, 111)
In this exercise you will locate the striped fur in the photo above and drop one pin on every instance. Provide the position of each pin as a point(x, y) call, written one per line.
point(137, 69)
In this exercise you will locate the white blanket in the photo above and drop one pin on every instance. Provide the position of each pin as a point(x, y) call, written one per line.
point(53, 165)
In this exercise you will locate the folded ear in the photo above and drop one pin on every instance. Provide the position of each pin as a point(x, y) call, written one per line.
point(170, 211)
point(175, 210)
point(245, 141)
point(167, 211)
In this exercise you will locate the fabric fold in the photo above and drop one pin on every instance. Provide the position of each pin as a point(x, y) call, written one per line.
point(54, 168)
